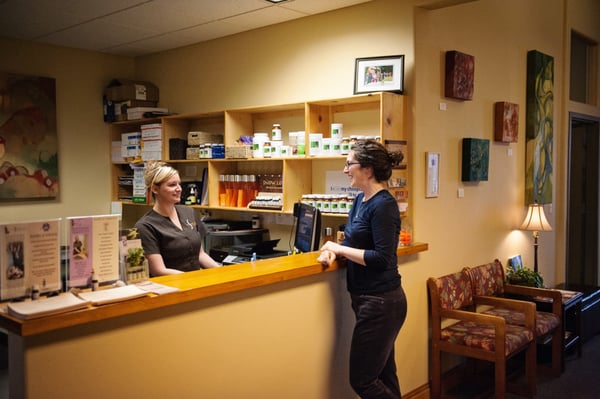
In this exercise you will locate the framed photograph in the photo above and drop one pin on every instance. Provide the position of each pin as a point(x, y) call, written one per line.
point(432, 160)
point(379, 74)
point(515, 263)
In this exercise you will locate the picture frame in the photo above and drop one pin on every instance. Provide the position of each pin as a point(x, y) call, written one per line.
point(374, 74)
point(515, 262)
point(432, 171)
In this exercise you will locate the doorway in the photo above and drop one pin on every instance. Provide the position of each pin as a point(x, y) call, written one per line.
point(582, 206)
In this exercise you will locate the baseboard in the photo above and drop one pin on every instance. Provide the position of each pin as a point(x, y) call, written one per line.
point(421, 392)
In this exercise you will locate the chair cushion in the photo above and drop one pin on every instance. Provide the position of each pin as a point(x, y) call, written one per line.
point(544, 321)
point(455, 291)
point(482, 336)
point(488, 279)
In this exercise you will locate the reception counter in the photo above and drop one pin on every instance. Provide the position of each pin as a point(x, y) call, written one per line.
point(272, 328)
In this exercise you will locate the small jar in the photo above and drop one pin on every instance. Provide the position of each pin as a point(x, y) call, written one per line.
point(276, 132)
point(342, 204)
point(267, 149)
point(345, 146)
point(326, 207)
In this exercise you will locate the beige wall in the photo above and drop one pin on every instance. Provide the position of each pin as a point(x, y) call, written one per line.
point(313, 58)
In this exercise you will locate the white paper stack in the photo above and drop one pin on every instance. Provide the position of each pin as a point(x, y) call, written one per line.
point(112, 295)
point(46, 307)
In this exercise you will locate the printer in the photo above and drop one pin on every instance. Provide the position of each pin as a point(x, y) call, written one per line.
point(236, 242)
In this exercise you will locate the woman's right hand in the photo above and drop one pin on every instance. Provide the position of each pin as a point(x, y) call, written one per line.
point(326, 257)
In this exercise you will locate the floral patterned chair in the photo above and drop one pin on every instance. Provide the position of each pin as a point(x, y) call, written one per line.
point(489, 280)
point(457, 328)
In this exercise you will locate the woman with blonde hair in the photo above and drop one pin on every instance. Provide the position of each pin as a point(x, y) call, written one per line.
point(172, 234)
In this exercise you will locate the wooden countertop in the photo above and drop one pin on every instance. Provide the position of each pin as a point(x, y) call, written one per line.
point(192, 286)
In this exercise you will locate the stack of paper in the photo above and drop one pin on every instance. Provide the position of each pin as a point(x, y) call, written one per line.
point(112, 295)
point(45, 307)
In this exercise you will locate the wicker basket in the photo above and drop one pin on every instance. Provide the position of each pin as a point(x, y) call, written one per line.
point(238, 151)
point(198, 138)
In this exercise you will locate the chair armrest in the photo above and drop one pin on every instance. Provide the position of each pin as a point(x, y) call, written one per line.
point(527, 308)
point(533, 292)
point(463, 315)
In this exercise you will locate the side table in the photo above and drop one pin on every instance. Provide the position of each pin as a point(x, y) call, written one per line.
point(571, 320)
point(572, 325)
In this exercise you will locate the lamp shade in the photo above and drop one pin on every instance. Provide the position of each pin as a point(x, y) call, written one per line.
point(536, 219)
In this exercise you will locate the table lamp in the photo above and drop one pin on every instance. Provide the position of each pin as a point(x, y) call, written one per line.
point(536, 221)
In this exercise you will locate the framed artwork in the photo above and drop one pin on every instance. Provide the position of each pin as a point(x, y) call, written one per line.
point(28, 138)
point(379, 74)
point(432, 170)
point(460, 75)
point(515, 263)
point(506, 122)
point(475, 159)
point(539, 129)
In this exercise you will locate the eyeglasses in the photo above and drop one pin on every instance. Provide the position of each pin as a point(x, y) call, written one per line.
point(348, 164)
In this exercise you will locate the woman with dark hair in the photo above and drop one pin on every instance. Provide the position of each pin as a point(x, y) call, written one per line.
point(171, 234)
point(370, 250)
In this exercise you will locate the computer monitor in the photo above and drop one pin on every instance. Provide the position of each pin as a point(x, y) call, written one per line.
point(308, 228)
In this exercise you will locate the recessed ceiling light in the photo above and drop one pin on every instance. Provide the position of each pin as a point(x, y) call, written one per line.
point(276, 1)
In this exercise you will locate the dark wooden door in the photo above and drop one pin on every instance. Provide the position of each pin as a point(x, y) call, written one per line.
point(582, 216)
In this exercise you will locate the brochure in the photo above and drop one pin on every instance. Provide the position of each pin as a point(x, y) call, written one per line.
point(29, 255)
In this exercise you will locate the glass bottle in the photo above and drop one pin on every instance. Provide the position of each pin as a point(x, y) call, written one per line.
point(405, 227)
point(222, 192)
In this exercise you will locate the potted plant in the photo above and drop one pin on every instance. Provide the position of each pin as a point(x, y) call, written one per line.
point(525, 276)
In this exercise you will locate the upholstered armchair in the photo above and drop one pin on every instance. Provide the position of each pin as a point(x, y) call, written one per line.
point(457, 328)
point(489, 280)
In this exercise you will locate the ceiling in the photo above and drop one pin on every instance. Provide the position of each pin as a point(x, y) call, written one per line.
point(138, 27)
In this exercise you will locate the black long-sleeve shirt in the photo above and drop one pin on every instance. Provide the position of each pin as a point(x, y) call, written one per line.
point(374, 226)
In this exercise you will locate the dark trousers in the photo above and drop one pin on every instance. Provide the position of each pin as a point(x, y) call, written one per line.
point(379, 318)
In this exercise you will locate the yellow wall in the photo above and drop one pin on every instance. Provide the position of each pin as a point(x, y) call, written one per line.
point(313, 58)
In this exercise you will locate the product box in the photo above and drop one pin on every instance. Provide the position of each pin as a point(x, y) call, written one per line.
point(152, 131)
point(131, 138)
point(126, 89)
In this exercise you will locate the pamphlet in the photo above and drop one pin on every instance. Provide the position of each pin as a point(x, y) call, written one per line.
point(29, 255)
point(133, 263)
point(93, 248)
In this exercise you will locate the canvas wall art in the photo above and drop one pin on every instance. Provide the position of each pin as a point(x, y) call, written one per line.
point(539, 129)
point(460, 75)
point(475, 159)
point(28, 137)
point(506, 122)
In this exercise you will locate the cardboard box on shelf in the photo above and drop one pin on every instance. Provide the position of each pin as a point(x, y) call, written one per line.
point(126, 89)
